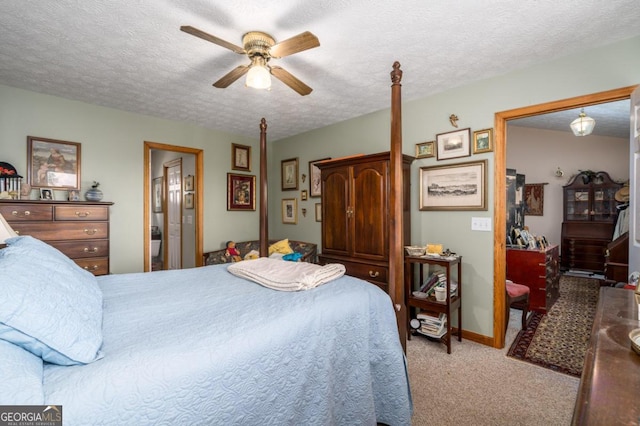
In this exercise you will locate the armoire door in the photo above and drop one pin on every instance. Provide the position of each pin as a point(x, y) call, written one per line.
point(335, 211)
point(370, 206)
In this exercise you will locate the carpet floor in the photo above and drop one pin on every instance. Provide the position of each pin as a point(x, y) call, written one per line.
point(558, 340)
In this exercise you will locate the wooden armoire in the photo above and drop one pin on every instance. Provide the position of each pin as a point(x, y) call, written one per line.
point(355, 214)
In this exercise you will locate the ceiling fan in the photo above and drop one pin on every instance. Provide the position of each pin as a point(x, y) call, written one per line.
point(260, 48)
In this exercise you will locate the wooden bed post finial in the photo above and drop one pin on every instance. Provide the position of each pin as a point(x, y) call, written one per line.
point(264, 222)
point(396, 228)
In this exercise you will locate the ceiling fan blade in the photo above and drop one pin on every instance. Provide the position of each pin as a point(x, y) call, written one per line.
point(291, 81)
point(213, 39)
point(295, 44)
point(231, 76)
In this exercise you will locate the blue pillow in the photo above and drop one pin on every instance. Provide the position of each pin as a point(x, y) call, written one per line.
point(21, 373)
point(48, 304)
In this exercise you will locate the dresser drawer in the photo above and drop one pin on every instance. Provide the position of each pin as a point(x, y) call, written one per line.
point(80, 249)
point(50, 231)
point(96, 265)
point(83, 213)
point(17, 212)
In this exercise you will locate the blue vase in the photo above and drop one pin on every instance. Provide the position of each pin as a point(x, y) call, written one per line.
point(93, 194)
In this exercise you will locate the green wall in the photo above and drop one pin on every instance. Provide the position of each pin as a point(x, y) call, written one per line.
point(601, 69)
point(112, 153)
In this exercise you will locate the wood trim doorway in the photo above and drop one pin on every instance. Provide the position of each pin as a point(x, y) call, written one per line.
point(499, 204)
point(199, 154)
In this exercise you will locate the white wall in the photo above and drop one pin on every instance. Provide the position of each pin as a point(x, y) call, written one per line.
point(538, 153)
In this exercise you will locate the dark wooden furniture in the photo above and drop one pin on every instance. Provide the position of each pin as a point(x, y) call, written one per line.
point(589, 220)
point(517, 297)
point(610, 383)
point(78, 229)
point(356, 214)
point(451, 304)
point(538, 270)
point(616, 260)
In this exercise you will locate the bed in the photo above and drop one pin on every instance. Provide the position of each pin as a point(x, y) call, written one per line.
point(197, 346)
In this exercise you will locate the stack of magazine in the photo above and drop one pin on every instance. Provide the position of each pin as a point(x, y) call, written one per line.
point(432, 324)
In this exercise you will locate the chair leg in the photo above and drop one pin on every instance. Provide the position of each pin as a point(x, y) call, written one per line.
point(525, 311)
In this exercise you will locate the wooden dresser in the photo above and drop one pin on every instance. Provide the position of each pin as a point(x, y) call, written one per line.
point(538, 270)
point(355, 214)
point(78, 229)
point(610, 383)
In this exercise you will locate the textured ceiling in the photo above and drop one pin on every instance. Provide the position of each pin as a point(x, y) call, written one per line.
point(131, 55)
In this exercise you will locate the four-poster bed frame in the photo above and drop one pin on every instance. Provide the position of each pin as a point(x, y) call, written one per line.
point(396, 256)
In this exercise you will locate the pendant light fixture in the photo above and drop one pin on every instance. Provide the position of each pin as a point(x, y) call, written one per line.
point(258, 76)
point(583, 125)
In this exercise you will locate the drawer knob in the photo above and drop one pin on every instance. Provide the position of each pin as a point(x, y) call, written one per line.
point(17, 214)
point(83, 214)
point(90, 231)
point(374, 274)
point(92, 268)
point(91, 250)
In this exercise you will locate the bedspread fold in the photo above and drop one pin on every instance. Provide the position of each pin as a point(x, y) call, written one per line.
point(286, 276)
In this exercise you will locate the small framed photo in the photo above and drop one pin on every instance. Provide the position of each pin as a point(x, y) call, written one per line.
point(53, 164)
point(289, 210)
point(318, 212)
point(303, 195)
point(189, 183)
point(73, 195)
point(426, 149)
point(156, 195)
point(46, 194)
point(289, 174)
point(483, 141)
point(454, 144)
point(315, 184)
point(240, 157)
point(241, 192)
point(189, 200)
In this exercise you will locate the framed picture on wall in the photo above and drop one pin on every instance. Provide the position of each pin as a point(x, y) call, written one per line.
point(289, 174)
point(461, 186)
point(189, 183)
point(315, 185)
point(318, 212)
point(290, 211)
point(483, 141)
point(454, 144)
point(241, 192)
point(240, 157)
point(426, 149)
point(53, 164)
point(189, 200)
point(156, 195)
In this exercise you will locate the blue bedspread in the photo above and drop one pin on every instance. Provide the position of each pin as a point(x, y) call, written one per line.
point(201, 346)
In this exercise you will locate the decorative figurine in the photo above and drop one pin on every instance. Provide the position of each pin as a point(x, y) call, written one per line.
point(232, 252)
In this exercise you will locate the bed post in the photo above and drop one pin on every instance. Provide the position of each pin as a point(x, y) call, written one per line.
point(264, 222)
point(396, 257)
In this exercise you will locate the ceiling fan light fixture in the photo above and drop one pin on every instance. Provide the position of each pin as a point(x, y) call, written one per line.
point(258, 76)
point(583, 125)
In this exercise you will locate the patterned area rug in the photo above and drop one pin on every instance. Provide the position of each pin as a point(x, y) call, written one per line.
point(559, 339)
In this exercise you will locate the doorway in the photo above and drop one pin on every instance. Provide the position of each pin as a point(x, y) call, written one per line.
point(197, 194)
point(500, 166)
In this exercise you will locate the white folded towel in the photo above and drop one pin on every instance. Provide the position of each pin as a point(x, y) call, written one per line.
point(286, 276)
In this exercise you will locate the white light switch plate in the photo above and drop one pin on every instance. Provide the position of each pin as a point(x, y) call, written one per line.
point(481, 224)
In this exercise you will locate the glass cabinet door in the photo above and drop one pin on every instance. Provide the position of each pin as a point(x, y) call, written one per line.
point(577, 204)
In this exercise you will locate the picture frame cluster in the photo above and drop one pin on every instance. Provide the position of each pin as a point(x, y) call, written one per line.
point(241, 188)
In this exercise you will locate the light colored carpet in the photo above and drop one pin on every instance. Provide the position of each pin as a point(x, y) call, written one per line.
point(480, 385)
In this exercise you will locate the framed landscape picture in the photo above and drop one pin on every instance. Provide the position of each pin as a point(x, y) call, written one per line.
point(483, 141)
point(454, 144)
point(426, 149)
point(461, 186)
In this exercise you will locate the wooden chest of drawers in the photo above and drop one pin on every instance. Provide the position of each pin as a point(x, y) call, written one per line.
point(538, 270)
point(78, 229)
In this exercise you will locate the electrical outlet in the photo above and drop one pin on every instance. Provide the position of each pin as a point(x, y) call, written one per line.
point(481, 224)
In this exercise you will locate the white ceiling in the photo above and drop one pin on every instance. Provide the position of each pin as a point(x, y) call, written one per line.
point(131, 54)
